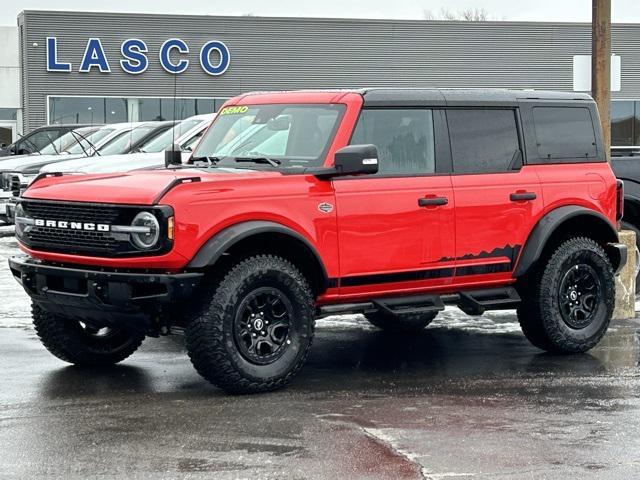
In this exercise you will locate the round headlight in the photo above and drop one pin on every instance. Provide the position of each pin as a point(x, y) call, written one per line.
point(149, 231)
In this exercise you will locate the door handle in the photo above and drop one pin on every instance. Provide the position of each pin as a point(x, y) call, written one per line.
point(522, 196)
point(433, 201)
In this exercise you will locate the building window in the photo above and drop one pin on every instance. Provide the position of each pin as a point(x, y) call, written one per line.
point(8, 113)
point(625, 123)
point(94, 110)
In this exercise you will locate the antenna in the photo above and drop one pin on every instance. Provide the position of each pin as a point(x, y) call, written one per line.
point(175, 94)
point(172, 155)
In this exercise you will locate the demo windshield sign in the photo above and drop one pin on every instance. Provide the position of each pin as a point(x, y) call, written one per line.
point(214, 57)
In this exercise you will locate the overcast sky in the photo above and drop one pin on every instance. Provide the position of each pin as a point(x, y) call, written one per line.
point(537, 10)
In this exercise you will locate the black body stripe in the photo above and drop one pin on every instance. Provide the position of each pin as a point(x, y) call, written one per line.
point(423, 274)
point(482, 269)
point(396, 277)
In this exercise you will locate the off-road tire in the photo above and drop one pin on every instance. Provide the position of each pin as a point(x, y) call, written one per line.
point(69, 341)
point(401, 323)
point(211, 334)
point(540, 314)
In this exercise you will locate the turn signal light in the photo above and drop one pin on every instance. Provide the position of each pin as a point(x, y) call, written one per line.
point(170, 228)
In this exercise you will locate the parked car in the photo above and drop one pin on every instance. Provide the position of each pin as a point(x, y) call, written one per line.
point(150, 154)
point(626, 166)
point(37, 139)
point(14, 169)
point(386, 202)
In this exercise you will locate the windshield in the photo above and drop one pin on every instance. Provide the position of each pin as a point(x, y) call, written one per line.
point(65, 141)
point(163, 141)
point(93, 138)
point(122, 143)
point(294, 135)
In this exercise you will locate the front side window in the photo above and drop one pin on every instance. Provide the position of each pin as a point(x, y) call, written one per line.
point(293, 135)
point(404, 138)
point(564, 133)
point(483, 140)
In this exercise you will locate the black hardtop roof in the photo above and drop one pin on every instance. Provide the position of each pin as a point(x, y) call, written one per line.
point(466, 96)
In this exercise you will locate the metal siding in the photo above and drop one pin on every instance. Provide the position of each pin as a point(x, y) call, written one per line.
point(293, 53)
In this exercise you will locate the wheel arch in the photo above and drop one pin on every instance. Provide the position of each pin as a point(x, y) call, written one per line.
point(261, 236)
point(556, 225)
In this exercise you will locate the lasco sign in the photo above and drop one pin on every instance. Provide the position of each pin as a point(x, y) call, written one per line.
point(135, 59)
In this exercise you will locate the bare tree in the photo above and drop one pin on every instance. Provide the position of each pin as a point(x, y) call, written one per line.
point(466, 15)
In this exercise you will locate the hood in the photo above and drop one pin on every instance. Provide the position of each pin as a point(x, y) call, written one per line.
point(141, 187)
point(107, 164)
point(8, 156)
point(31, 161)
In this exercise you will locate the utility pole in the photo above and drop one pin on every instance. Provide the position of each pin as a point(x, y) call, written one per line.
point(601, 66)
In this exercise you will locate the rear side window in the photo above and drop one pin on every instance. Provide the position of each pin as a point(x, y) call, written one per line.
point(404, 138)
point(484, 140)
point(564, 133)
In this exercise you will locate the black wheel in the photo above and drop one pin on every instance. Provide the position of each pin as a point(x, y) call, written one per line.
point(80, 344)
point(255, 329)
point(570, 298)
point(401, 323)
point(629, 226)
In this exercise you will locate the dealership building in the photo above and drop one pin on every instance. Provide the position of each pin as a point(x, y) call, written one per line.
point(84, 67)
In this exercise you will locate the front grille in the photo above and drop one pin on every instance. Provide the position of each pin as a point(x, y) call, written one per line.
point(79, 241)
point(73, 241)
point(14, 185)
point(79, 213)
point(5, 181)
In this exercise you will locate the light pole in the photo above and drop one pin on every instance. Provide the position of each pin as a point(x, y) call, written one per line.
point(601, 66)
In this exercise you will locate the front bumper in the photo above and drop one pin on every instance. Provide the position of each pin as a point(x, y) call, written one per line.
point(129, 300)
point(6, 199)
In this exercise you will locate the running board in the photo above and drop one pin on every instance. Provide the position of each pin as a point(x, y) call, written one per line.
point(476, 302)
point(413, 305)
point(471, 302)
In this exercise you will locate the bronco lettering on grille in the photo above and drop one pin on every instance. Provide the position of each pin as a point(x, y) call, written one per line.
point(92, 227)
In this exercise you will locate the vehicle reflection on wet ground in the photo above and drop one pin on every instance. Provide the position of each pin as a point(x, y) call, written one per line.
point(464, 398)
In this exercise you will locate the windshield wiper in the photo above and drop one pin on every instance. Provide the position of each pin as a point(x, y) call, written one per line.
point(265, 160)
point(211, 161)
point(79, 137)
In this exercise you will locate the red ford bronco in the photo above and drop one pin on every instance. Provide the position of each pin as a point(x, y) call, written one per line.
point(388, 202)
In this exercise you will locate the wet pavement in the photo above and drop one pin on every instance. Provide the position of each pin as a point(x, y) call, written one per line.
point(466, 398)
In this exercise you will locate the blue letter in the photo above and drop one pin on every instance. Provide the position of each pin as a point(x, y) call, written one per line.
point(133, 50)
point(52, 57)
point(205, 61)
point(165, 50)
point(94, 57)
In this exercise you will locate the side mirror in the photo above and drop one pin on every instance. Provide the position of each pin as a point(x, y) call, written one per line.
point(351, 160)
point(3, 145)
point(356, 159)
point(173, 155)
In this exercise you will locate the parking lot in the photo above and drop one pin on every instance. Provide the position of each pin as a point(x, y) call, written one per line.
point(467, 398)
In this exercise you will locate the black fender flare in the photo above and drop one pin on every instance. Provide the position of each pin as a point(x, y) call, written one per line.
point(219, 243)
point(548, 224)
